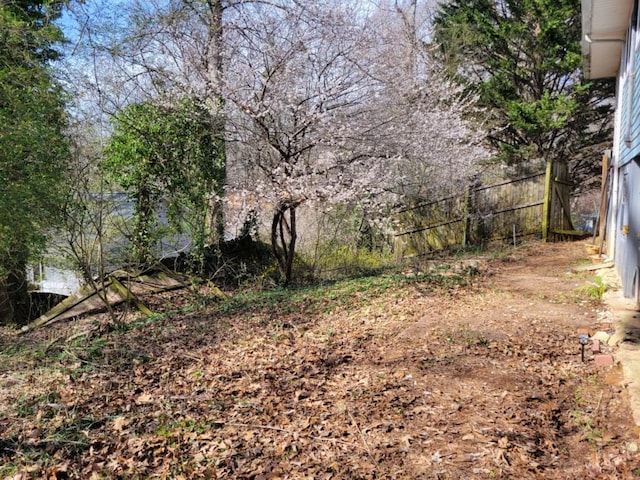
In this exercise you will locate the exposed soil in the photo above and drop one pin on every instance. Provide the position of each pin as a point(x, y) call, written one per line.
point(475, 379)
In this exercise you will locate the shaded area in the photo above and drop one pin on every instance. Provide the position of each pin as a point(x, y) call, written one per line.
point(117, 288)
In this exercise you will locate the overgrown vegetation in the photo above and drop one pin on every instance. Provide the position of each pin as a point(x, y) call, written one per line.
point(340, 378)
point(169, 157)
point(33, 147)
point(342, 293)
point(594, 288)
point(178, 107)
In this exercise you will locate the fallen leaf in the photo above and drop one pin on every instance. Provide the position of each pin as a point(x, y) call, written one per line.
point(144, 399)
point(120, 422)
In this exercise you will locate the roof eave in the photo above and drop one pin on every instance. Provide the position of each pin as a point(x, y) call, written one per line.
point(604, 29)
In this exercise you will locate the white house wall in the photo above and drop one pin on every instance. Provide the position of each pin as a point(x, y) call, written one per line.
point(613, 194)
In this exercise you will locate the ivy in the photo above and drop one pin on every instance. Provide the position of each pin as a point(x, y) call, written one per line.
point(168, 155)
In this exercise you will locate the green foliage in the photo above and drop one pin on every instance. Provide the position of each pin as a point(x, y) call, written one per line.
point(523, 59)
point(33, 148)
point(343, 293)
point(312, 298)
point(595, 288)
point(587, 425)
point(346, 244)
point(169, 156)
point(348, 261)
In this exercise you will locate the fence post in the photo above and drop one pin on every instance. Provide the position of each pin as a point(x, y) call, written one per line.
point(602, 216)
point(467, 216)
point(546, 203)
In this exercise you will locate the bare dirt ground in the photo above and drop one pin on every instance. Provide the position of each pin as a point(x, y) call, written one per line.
point(478, 378)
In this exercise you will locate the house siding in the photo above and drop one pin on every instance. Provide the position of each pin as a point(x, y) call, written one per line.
point(624, 221)
point(628, 228)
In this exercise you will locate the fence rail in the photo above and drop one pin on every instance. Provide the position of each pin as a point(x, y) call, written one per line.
point(481, 214)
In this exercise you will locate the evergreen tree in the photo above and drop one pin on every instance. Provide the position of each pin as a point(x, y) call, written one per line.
point(523, 58)
point(33, 148)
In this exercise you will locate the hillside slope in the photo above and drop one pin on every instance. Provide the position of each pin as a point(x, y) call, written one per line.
point(450, 372)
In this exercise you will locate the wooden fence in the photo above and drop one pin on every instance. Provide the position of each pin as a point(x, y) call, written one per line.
point(478, 215)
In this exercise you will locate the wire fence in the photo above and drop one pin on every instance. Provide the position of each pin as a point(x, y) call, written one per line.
point(478, 215)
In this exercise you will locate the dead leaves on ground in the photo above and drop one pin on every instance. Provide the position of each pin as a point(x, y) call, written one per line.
point(409, 386)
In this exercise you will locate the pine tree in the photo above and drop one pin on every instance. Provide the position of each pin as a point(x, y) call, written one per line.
point(523, 59)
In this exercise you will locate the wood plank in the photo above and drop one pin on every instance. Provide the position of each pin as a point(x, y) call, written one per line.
point(85, 301)
point(604, 201)
point(546, 208)
point(593, 267)
point(572, 233)
point(129, 296)
point(118, 288)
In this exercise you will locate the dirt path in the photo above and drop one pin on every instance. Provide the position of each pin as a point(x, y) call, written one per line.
point(479, 379)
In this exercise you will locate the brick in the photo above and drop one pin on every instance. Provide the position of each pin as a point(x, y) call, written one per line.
point(604, 360)
point(595, 346)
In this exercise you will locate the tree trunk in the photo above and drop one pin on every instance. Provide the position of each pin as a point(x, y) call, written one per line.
point(144, 234)
point(215, 103)
point(14, 299)
point(6, 310)
point(283, 238)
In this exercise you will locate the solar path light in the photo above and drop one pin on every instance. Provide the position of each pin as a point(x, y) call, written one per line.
point(583, 338)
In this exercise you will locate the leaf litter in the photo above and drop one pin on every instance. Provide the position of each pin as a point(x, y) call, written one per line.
point(416, 380)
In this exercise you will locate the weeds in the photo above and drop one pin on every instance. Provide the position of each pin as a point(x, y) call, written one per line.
point(591, 433)
point(27, 405)
point(55, 435)
point(169, 427)
point(145, 320)
point(334, 262)
point(327, 297)
point(595, 288)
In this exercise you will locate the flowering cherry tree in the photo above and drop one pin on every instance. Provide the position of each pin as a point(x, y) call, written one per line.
point(327, 109)
point(322, 102)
